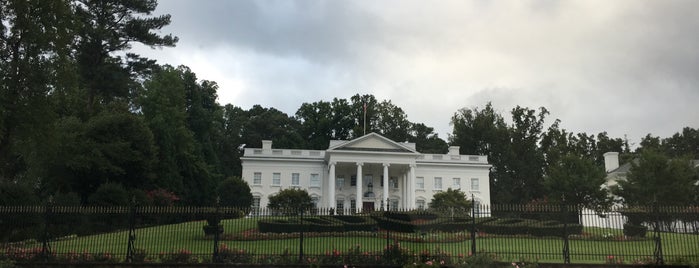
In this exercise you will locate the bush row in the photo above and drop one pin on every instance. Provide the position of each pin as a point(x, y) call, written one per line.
point(518, 226)
point(317, 224)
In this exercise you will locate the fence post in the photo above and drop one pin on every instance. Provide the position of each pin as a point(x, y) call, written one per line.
point(658, 252)
point(217, 234)
point(301, 239)
point(130, 249)
point(45, 246)
point(473, 225)
point(566, 248)
point(388, 235)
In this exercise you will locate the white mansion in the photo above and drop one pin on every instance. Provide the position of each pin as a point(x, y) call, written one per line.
point(392, 174)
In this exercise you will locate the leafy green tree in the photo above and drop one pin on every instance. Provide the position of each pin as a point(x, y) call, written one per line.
point(290, 201)
point(392, 122)
point(34, 43)
point(271, 124)
point(426, 141)
point(484, 132)
point(685, 143)
point(450, 199)
point(181, 167)
point(204, 115)
point(229, 146)
point(657, 179)
point(342, 120)
point(110, 147)
point(575, 180)
point(363, 107)
point(316, 124)
point(110, 194)
point(234, 192)
point(528, 167)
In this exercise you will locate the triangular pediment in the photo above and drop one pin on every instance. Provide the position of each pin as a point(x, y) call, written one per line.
point(372, 142)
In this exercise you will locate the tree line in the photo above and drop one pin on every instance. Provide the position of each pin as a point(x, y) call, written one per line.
point(82, 116)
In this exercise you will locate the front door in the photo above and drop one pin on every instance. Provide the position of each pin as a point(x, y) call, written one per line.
point(368, 207)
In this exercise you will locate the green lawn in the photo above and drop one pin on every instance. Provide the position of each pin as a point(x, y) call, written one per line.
point(189, 235)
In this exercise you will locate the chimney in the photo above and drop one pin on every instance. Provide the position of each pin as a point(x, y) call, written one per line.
point(454, 150)
point(611, 161)
point(266, 145)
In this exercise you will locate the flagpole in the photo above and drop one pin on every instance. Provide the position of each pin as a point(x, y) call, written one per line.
point(364, 119)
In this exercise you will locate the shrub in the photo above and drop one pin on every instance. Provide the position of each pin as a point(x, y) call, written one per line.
point(108, 195)
point(234, 255)
point(290, 201)
point(17, 226)
point(234, 192)
point(179, 256)
point(356, 223)
point(633, 230)
point(507, 226)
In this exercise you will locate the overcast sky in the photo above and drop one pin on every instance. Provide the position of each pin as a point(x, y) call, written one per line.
point(625, 67)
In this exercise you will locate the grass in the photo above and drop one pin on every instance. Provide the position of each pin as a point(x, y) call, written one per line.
point(189, 235)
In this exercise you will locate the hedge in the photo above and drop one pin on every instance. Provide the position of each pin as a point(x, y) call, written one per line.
point(516, 226)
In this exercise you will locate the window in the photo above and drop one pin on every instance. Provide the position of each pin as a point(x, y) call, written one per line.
point(474, 184)
point(456, 184)
point(353, 205)
point(315, 201)
point(393, 205)
point(420, 183)
point(340, 205)
point(420, 204)
point(394, 183)
point(295, 179)
point(315, 180)
point(353, 180)
point(257, 178)
point(276, 179)
point(339, 182)
point(438, 183)
point(381, 179)
point(256, 205)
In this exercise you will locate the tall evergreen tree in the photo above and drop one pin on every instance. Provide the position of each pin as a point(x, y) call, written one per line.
point(108, 26)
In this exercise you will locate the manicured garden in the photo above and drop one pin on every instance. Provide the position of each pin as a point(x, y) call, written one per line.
point(379, 238)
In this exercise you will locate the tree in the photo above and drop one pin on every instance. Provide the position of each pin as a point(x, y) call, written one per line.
point(575, 180)
point(108, 26)
point(426, 141)
point(685, 143)
point(234, 192)
point(271, 124)
point(229, 146)
point(656, 179)
point(181, 167)
point(484, 132)
point(316, 124)
point(110, 147)
point(35, 36)
point(450, 199)
point(290, 201)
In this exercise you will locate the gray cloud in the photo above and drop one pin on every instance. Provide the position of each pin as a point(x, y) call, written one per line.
point(626, 67)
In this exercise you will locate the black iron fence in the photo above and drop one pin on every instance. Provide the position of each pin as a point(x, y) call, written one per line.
point(555, 234)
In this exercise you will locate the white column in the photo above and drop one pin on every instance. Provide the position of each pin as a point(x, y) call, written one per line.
point(360, 181)
point(404, 191)
point(385, 185)
point(411, 193)
point(331, 186)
